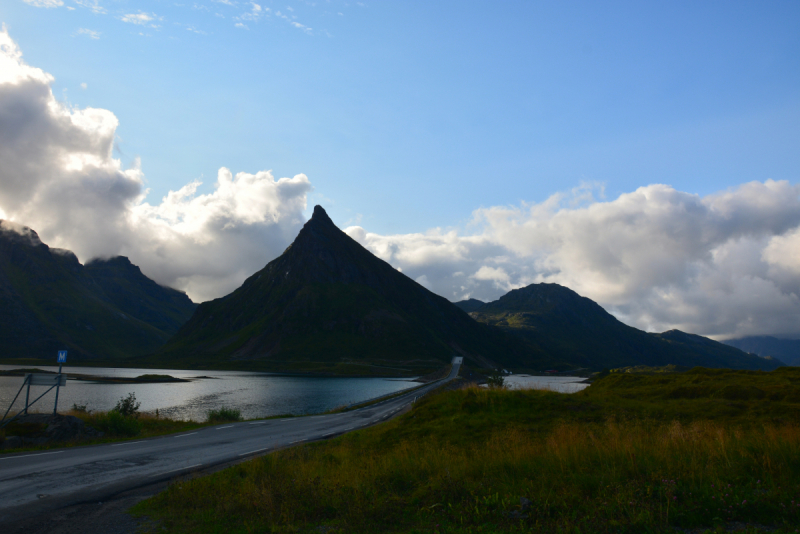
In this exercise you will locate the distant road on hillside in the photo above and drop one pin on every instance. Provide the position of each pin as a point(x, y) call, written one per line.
point(35, 482)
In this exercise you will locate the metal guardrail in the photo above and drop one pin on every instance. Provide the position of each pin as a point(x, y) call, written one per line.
point(388, 395)
point(398, 393)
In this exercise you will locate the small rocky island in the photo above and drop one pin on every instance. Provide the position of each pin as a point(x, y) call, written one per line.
point(141, 379)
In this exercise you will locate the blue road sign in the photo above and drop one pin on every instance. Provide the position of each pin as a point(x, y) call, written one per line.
point(62, 356)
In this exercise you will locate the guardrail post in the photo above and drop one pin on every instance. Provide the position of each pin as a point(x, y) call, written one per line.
point(27, 393)
point(15, 398)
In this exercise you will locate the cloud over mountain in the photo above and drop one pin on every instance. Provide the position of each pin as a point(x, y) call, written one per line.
point(59, 176)
point(724, 265)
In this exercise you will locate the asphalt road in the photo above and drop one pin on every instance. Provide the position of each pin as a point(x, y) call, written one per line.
point(34, 482)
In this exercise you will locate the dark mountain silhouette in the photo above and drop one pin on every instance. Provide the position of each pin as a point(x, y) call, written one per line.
point(137, 295)
point(328, 305)
point(558, 322)
point(470, 305)
point(786, 350)
point(105, 310)
point(699, 350)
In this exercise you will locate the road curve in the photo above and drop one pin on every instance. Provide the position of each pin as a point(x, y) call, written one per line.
point(31, 482)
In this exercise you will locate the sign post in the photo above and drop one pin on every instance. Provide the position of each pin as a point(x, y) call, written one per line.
point(62, 359)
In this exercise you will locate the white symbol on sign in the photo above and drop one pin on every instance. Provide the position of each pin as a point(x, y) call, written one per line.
point(62, 356)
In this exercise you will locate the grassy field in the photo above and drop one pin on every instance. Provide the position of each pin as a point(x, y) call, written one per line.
point(715, 450)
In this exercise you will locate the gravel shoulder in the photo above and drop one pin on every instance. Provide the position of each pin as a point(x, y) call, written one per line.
point(109, 517)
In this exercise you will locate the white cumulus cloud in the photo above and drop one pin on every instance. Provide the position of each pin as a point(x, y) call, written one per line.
point(724, 265)
point(60, 178)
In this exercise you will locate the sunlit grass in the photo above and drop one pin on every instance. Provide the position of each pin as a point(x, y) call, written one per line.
point(481, 460)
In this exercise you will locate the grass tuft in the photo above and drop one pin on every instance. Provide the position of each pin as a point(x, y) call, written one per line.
point(224, 415)
point(114, 423)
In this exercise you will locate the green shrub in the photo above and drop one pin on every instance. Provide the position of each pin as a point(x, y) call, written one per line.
point(741, 392)
point(115, 423)
point(689, 392)
point(224, 414)
point(495, 379)
point(127, 406)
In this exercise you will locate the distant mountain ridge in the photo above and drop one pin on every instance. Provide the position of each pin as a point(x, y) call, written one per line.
point(104, 310)
point(137, 295)
point(470, 305)
point(564, 325)
point(328, 305)
point(786, 350)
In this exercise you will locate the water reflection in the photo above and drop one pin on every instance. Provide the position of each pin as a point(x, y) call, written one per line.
point(255, 394)
point(561, 384)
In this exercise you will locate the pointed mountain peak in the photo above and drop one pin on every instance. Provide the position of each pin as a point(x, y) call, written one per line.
point(320, 217)
point(318, 227)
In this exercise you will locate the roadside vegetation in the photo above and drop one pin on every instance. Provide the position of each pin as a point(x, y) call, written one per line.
point(704, 450)
point(123, 422)
point(114, 425)
point(117, 426)
point(224, 415)
point(495, 379)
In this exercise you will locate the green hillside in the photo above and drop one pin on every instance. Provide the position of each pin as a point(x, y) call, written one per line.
point(135, 294)
point(566, 326)
point(49, 301)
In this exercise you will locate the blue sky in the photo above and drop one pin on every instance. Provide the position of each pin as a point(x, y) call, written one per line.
point(643, 154)
point(414, 114)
